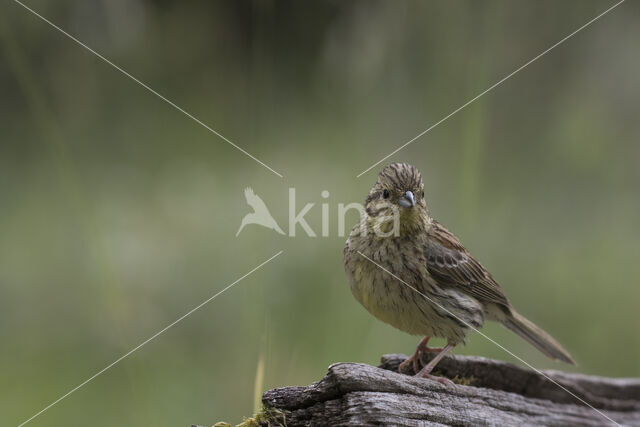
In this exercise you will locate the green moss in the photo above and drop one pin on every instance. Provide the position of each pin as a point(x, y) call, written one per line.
point(464, 380)
point(458, 379)
point(266, 416)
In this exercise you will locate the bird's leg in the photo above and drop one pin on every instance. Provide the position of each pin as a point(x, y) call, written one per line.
point(426, 371)
point(416, 359)
point(417, 355)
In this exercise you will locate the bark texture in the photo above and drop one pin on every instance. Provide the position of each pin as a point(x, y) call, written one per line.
point(498, 393)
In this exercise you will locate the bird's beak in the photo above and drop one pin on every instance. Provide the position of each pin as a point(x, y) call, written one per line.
point(407, 200)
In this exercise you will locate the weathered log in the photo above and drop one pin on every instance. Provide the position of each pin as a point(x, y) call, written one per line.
point(498, 393)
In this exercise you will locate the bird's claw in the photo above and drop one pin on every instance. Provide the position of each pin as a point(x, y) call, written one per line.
point(416, 358)
point(402, 366)
point(442, 380)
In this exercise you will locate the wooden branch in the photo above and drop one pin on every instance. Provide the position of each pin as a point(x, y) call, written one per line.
point(499, 394)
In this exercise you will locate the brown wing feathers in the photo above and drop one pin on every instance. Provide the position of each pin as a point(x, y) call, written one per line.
point(451, 265)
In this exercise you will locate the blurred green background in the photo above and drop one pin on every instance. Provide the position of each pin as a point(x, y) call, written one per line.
point(118, 214)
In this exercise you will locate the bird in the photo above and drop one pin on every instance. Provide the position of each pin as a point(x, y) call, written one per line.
point(409, 271)
point(260, 215)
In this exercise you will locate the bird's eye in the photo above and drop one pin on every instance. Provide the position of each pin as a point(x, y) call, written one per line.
point(385, 194)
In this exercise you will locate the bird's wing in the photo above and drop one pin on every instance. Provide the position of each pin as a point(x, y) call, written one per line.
point(254, 200)
point(452, 265)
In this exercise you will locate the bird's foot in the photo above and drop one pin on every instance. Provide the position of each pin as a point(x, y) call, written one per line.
point(426, 371)
point(416, 359)
point(442, 380)
point(404, 364)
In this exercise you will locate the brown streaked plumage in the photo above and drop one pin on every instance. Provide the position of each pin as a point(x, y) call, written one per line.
point(453, 293)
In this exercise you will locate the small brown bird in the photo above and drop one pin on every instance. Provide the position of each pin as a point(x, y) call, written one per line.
point(412, 273)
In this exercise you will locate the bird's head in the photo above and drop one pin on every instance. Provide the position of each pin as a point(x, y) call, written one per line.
point(398, 192)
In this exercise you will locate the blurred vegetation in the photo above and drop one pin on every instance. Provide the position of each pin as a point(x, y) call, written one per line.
point(118, 213)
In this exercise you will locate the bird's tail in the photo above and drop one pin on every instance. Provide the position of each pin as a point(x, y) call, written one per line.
point(537, 337)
